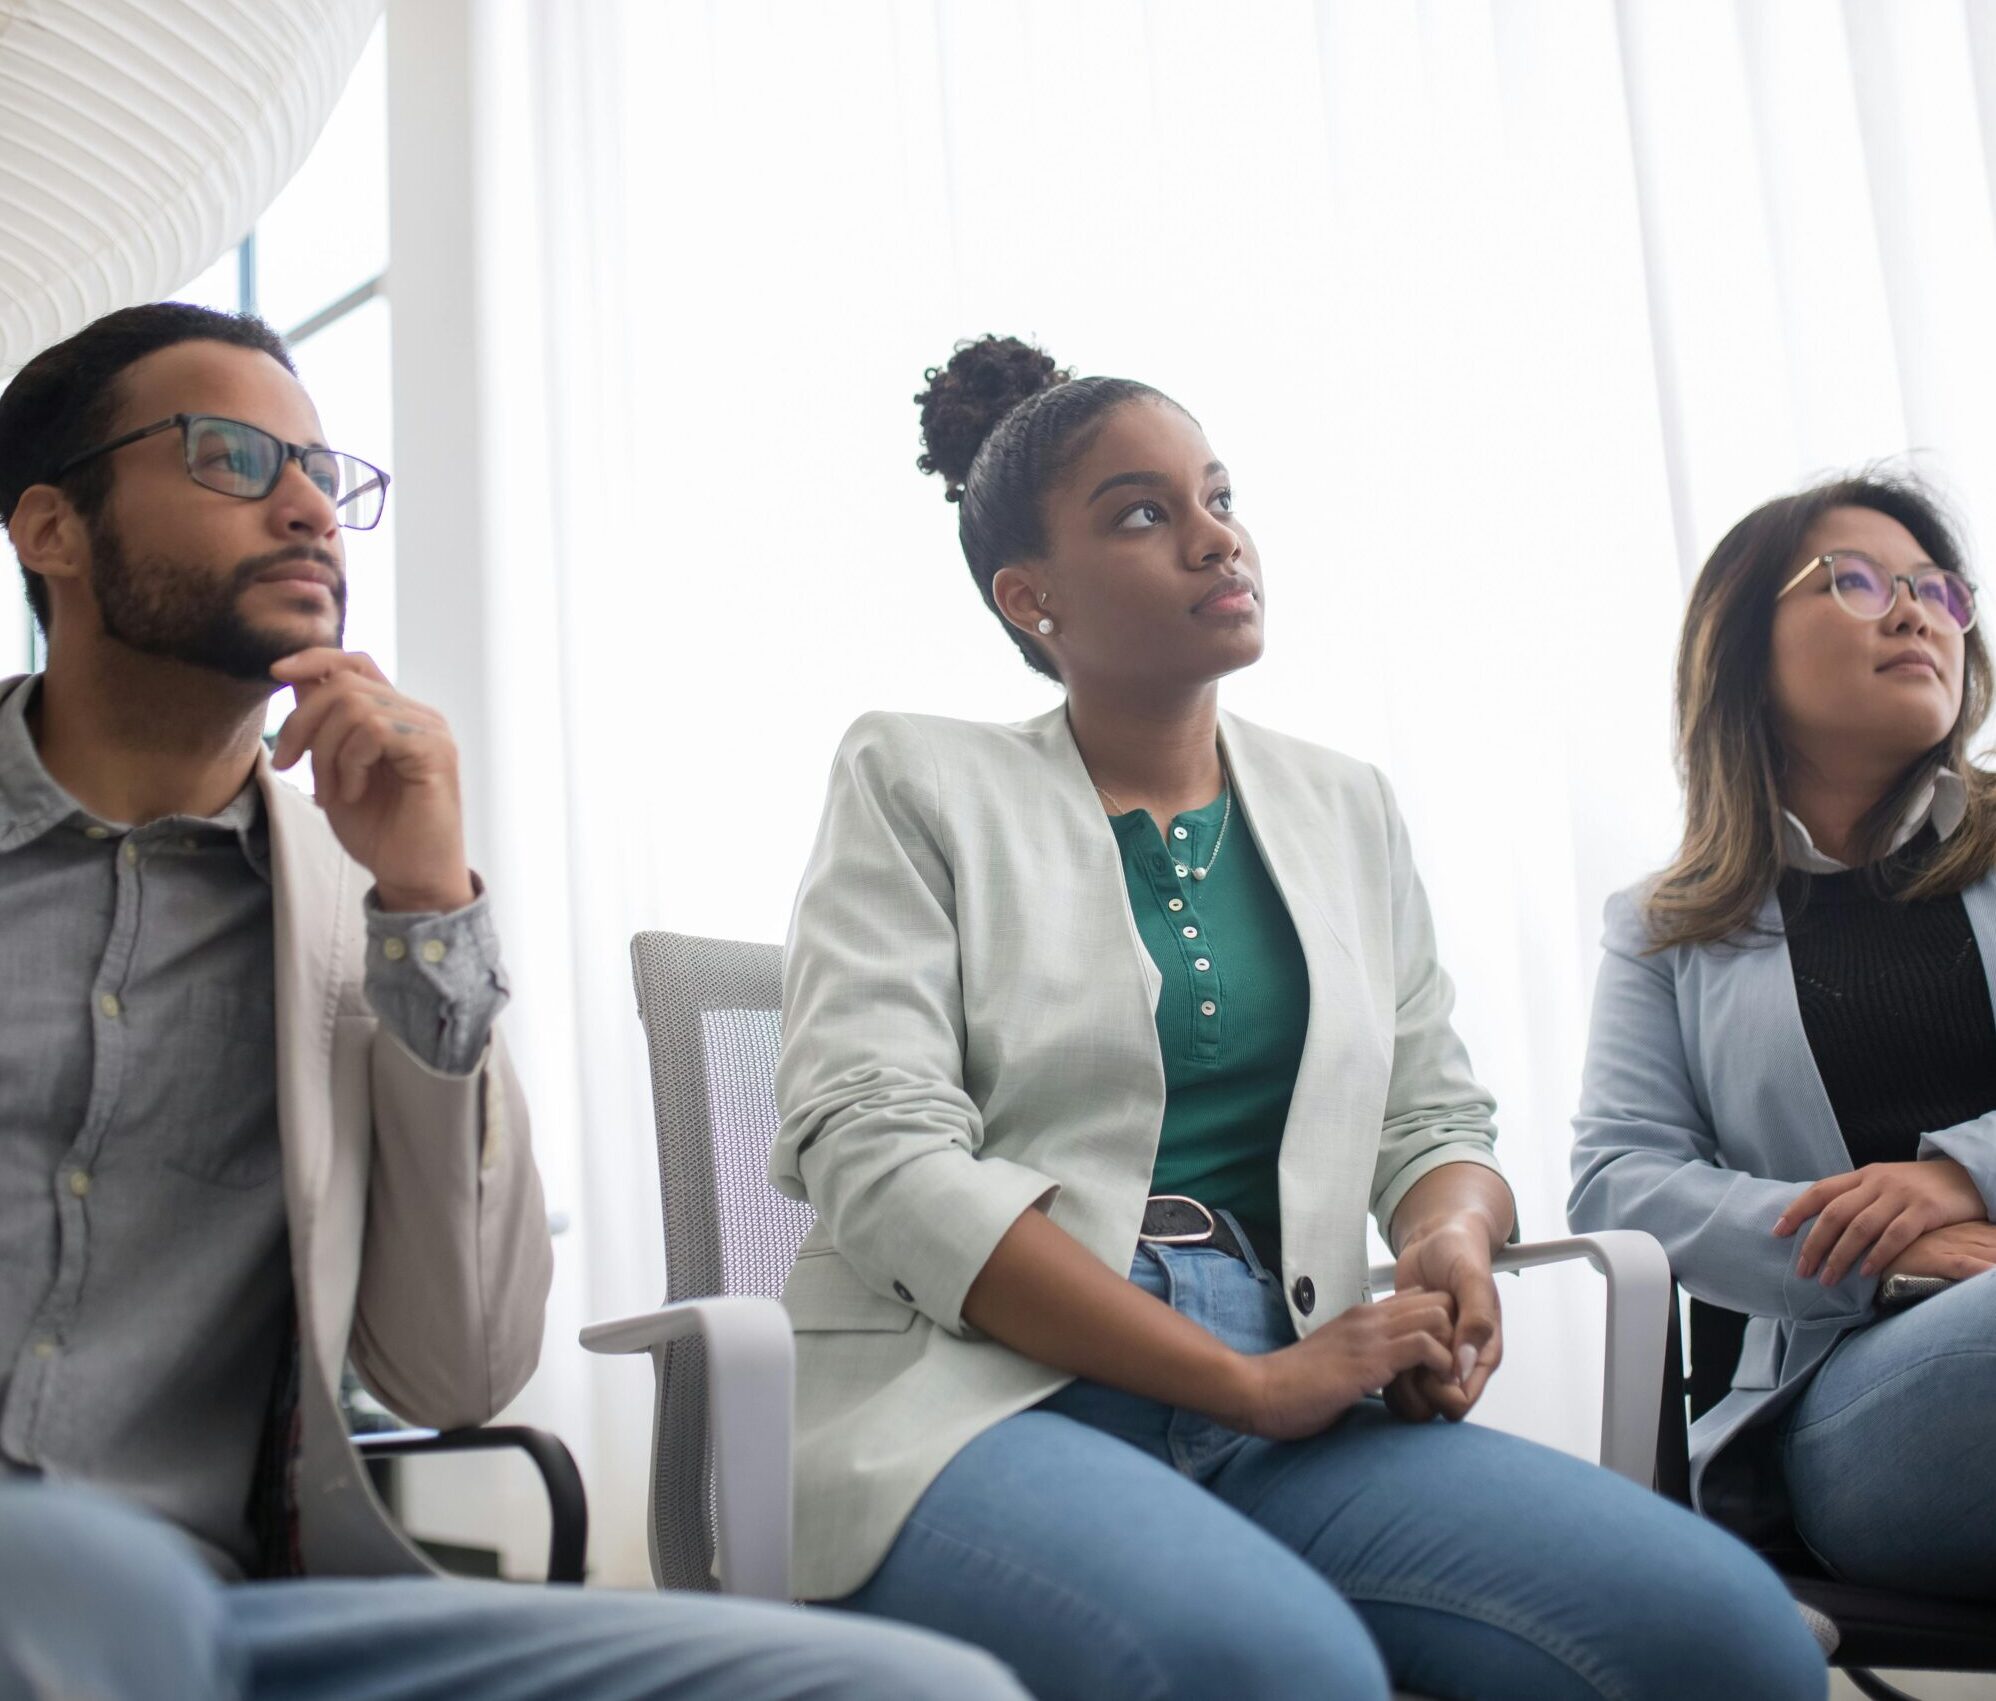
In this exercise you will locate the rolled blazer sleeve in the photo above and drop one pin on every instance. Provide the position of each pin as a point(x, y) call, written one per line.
point(456, 1264)
point(878, 1133)
point(1971, 1144)
point(1646, 1157)
point(1436, 1112)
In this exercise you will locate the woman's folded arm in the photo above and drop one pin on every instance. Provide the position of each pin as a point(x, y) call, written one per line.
point(1645, 1156)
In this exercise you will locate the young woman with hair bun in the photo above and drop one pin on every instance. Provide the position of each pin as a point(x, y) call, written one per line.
point(1102, 1033)
point(1791, 1078)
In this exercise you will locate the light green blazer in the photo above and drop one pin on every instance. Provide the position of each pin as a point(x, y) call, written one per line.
point(969, 1033)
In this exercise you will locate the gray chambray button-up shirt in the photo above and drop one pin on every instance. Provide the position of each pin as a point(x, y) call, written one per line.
point(145, 1280)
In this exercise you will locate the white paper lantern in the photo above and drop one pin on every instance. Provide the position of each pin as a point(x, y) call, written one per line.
point(140, 140)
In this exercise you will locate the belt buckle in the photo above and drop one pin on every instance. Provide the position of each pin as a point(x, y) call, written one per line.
point(1200, 1239)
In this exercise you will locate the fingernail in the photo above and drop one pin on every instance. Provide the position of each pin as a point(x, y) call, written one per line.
point(1465, 1362)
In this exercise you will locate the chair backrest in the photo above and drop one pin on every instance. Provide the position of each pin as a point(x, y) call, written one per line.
point(1717, 1335)
point(711, 1010)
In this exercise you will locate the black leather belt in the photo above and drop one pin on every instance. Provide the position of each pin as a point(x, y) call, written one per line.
point(1171, 1219)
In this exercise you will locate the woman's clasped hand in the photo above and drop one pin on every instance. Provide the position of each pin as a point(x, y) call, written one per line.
point(1879, 1214)
point(1302, 1390)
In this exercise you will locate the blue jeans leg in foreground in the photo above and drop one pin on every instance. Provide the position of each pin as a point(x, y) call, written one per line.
point(1890, 1453)
point(433, 1640)
point(102, 1603)
point(1106, 1545)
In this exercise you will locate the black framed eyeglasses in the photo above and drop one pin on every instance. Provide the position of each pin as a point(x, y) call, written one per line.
point(1868, 591)
point(239, 459)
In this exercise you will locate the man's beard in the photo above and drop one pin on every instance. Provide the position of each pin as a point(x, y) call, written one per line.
point(172, 609)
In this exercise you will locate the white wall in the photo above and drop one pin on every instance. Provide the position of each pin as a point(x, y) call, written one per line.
point(466, 469)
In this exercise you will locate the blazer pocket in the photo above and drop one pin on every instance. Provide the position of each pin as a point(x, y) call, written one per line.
point(825, 1293)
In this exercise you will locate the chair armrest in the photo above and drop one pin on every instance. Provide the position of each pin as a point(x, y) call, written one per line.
point(1639, 1306)
point(568, 1505)
point(751, 1375)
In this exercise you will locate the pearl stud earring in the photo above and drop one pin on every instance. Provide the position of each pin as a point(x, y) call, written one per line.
point(1046, 626)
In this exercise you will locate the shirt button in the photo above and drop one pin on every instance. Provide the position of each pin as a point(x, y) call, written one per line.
point(45, 1349)
point(433, 950)
point(96, 832)
point(109, 1004)
point(79, 1183)
point(1305, 1295)
point(1180, 870)
point(903, 1294)
point(1202, 964)
point(394, 950)
point(1190, 932)
point(1179, 833)
point(1176, 904)
point(131, 854)
point(1209, 1008)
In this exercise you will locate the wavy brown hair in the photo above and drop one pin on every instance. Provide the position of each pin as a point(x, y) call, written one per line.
point(1729, 757)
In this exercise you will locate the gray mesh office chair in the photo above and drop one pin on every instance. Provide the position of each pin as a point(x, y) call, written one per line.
point(710, 1013)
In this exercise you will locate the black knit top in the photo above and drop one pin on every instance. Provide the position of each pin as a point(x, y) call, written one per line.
point(1894, 1001)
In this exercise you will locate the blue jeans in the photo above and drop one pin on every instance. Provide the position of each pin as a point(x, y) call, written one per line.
point(102, 1603)
point(1890, 1453)
point(1108, 1546)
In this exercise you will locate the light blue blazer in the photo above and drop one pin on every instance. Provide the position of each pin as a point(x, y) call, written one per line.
point(1702, 1115)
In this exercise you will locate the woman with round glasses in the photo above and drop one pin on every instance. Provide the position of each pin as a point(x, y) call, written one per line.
point(1791, 1078)
point(1102, 1033)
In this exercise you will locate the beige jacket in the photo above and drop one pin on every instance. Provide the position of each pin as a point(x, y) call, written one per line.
point(969, 1033)
point(419, 1241)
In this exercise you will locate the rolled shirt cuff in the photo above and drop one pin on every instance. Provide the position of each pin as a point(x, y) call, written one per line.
point(436, 981)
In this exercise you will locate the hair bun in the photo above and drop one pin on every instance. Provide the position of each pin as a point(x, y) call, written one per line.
point(985, 379)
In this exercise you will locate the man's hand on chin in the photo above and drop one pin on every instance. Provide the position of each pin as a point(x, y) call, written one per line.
point(384, 769)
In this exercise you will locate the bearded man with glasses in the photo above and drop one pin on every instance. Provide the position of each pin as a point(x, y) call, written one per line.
point(255, 1115)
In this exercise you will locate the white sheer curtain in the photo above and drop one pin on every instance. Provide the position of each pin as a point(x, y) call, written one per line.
point(1501, 313)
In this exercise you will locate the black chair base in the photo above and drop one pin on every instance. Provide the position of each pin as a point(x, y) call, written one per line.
point(1906, 1632)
